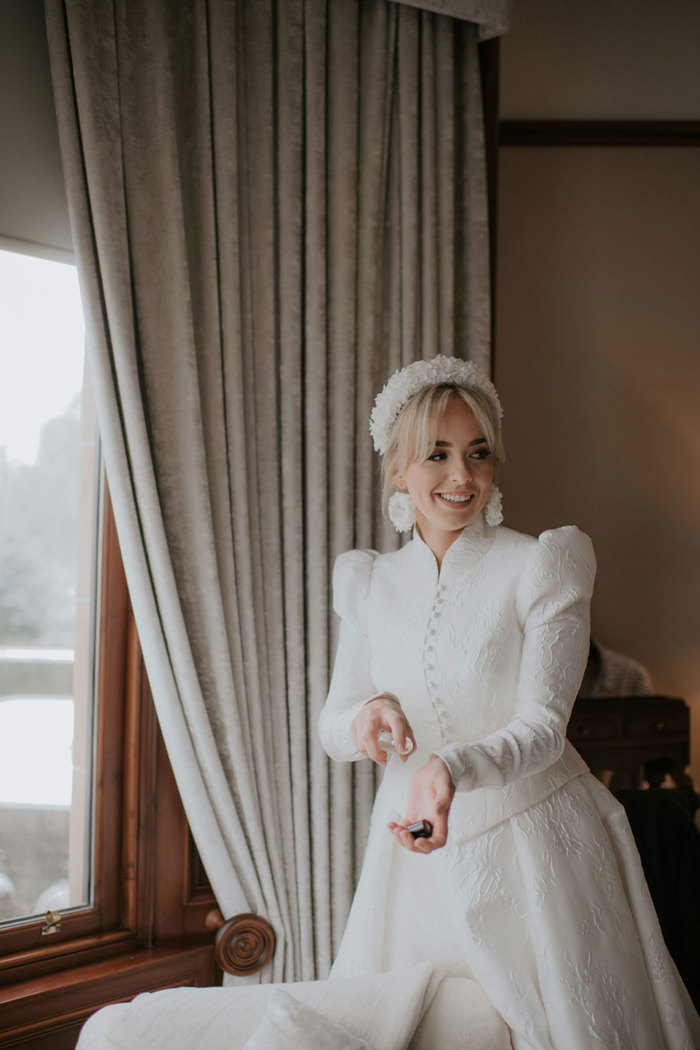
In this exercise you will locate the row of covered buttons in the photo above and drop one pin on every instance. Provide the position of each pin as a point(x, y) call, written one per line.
point(429, 650)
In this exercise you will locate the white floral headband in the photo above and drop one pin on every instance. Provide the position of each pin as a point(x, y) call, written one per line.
point(406, 382)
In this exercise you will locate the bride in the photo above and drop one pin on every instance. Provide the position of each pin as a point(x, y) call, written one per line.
point(458, 662)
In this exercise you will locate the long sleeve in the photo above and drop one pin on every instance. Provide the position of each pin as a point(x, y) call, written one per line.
point(351, 684)
point(553, 606)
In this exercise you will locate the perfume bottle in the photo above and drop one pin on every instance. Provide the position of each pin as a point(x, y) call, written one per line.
point(386, 743)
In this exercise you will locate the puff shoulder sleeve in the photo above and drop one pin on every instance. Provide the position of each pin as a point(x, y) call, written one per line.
point(553, 601)
point(351, 684)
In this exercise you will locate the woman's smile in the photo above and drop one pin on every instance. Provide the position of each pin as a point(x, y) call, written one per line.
point(458, 498)
point(450, 488)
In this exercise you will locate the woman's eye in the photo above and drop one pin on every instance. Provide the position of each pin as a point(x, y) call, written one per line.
point(478, 454)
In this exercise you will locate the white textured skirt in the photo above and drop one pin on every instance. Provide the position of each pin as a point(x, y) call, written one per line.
point(549, 911)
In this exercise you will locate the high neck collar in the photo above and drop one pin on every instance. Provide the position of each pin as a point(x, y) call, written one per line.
point(469, 547)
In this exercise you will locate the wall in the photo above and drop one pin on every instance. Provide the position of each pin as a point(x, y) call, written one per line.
point(33, 209)
point(601, 60)
point(598, 318)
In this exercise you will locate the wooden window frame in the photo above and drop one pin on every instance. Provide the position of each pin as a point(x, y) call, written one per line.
point(153, 917)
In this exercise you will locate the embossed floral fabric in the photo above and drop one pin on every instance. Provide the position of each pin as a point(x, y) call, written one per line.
point(539, 894)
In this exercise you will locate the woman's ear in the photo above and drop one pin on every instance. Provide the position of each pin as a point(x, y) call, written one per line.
point(399, 482)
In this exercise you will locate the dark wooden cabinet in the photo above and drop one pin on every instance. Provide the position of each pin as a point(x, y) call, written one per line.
point(623, 733)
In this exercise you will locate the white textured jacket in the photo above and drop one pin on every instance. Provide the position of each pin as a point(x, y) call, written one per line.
point(486, 658)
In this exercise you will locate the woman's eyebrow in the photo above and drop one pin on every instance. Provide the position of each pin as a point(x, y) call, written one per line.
point(448, 444)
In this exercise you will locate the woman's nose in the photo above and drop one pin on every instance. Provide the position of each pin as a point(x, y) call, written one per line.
point(460, 471)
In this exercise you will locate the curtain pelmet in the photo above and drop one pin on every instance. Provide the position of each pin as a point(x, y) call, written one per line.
point(491, 16)
point(273, 206)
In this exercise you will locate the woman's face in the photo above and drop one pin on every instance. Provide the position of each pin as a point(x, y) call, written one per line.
point(451, 486)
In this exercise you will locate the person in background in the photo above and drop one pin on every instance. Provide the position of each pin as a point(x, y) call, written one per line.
point(609, 673)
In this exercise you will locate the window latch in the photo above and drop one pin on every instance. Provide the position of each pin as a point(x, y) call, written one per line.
point(52, 924)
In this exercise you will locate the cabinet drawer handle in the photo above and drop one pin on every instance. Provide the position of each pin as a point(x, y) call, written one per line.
point(659, 725)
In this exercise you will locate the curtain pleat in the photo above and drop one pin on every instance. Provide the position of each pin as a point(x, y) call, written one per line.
point(274, 205)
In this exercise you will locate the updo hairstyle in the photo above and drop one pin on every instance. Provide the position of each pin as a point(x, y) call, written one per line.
point(414, 433)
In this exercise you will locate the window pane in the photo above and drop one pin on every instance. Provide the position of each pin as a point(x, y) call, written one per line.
point(48, 481)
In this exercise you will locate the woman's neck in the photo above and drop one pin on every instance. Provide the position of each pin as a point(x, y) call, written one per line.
point(439, 542)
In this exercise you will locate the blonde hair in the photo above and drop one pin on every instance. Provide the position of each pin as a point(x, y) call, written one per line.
point(414, 432)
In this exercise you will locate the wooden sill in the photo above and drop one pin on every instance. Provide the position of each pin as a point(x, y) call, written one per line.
point(79, 952)
point(50, 1011)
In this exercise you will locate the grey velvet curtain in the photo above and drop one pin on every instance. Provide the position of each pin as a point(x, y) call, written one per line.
point(273, 204)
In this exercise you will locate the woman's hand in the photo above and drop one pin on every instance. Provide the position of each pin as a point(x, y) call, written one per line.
point(382, 714)
point(429, 798)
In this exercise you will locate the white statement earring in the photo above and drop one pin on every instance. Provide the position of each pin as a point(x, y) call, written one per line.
point(493, 511)
point(402, 511)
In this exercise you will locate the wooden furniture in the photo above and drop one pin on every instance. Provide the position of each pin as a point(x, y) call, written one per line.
point(622, 733)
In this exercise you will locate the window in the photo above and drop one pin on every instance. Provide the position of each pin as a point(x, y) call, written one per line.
point(48, 540)
point(91, 826)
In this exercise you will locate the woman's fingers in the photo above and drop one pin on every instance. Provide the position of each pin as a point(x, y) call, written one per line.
point(436, 839)
point(429, 798)
point(421, 845)
point(406, 839)
point(382, 714)
point(370, 723)
point(401, 734)
point(439, 835)
point(370, 734)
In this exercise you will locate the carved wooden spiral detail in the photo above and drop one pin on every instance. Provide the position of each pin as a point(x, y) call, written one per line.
point(244, 944)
